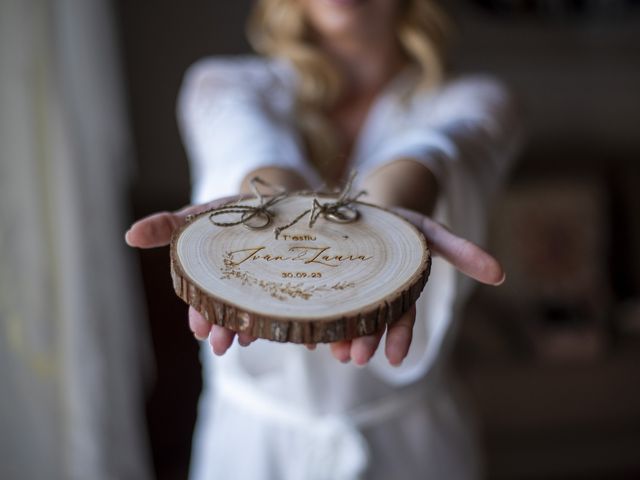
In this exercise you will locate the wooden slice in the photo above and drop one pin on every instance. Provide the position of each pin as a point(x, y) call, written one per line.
point(331, 282)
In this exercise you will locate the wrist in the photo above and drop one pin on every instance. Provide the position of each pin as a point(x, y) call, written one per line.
point(276, 176)
point(405, 183)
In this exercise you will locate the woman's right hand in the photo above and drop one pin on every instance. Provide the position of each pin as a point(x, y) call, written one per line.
point(156, 231)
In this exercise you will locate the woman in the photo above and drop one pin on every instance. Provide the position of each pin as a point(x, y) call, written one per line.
point(345, 84)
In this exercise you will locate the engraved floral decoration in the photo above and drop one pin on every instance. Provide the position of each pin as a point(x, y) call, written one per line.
point(279, 290)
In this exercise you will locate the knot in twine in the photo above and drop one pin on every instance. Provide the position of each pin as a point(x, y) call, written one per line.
point(342, 210)
point(331, 210)
point(251, 211)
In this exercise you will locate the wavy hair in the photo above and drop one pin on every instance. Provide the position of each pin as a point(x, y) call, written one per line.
point(277, 28)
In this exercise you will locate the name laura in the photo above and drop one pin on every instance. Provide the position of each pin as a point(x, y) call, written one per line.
point(306, 255)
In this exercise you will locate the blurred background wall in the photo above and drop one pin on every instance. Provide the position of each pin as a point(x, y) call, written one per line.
point(551, 359)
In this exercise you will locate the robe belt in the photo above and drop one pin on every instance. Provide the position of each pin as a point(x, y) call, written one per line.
point(329, 446)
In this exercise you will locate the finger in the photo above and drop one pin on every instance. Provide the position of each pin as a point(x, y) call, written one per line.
point(341, 350)
point(198, 324)
point(156, 230)
point(221, 339)
point(466, 256)
point(245, 339)
point(399, 336)
point(153, 231)
point(363, 348)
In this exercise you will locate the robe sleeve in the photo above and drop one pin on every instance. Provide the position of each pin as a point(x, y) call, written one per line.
point(466, 133)
point(467, 136)
point(234, 119)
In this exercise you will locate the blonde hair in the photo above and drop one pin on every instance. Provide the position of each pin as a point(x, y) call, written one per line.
point(277, 28)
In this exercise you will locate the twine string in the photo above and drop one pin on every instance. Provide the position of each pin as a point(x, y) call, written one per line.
point(264, 208)
point(247, 212)
point(327, 208)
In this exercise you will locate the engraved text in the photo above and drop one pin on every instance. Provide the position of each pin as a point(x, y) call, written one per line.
point(304, 254)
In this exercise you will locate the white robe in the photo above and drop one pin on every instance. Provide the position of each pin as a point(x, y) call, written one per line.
point(279, 411)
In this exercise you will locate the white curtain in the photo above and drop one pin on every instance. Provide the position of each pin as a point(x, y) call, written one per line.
point(72, 341)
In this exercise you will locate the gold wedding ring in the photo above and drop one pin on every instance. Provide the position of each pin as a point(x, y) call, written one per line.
point(344, 214)
point(256, 220)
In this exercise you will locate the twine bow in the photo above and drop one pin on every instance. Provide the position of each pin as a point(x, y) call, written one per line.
point(251, 211)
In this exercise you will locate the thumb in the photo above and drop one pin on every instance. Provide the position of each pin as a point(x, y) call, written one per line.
point(156, 229)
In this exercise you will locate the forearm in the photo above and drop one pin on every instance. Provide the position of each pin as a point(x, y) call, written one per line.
point(276, 176)
point(403, 183)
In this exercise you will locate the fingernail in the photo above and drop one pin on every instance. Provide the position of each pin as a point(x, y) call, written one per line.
point(394, 351)
point(198, 337)
point(218, 354)
point(502, 280)
point(361, 362)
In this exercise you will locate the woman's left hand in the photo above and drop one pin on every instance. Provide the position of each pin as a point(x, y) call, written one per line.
point(466, 256)
point(409, 183)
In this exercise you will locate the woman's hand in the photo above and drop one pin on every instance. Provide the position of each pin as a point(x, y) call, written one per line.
point(462, 254)
point(156, 231)
point(407, 183)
